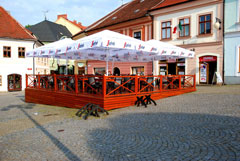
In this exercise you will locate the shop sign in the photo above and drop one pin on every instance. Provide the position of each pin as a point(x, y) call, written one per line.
point(181, 64)
point(203, 73)
point(162, 65)
point(171, 60)
point(207, 58)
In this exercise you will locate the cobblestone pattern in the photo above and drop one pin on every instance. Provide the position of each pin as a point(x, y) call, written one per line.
point(203, 125)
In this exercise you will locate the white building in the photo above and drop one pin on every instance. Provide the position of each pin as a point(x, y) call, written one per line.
point(15, 40)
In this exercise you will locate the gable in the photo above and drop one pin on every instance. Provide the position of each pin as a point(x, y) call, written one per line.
point(10, 28)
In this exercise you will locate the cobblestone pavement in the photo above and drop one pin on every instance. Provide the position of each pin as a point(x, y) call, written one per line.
point(202, 125)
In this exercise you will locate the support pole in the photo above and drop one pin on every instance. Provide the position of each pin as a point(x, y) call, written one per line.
point(27, 81)
point(38, 76)
point(161, 78)
point(55, 82)
point(194, 81)
point(76, 83)
point(107, 62)
point(104, 86)
point(179, 82)
point(136, 84)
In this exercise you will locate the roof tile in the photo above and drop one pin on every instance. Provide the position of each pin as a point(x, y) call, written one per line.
point(130, 11)
point(167, 3)
point(10, 28)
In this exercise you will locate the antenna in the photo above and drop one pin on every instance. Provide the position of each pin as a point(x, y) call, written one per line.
point(45, 14)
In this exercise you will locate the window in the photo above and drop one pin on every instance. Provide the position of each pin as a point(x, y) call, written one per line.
point(138, 70)
point(100, 71)
point(205, 24)
point(185, 23)
point(166, 30)
point(21, 52)
point(239, 60)
point(137, 35)
point(7, 51)
point(0, 80)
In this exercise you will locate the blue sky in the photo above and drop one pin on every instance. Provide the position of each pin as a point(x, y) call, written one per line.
point(85, 11)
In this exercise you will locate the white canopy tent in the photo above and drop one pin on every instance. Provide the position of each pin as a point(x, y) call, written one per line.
point(110, 46)
point(51, 49)
point(166, 50)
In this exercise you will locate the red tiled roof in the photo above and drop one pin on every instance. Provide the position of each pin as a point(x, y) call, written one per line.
point(10, 28)
point(166, 3)
point(130, 11)
point(79, 24)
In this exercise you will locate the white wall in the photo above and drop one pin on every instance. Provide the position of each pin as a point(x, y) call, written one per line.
point(15, 65)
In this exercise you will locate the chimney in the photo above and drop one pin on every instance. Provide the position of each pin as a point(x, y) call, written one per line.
point(74, 21)
point(79, 23)
point(63, 16)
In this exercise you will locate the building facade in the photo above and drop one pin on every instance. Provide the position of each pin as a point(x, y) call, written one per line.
point(48, 32)
point(232, 42)
point(15, 40)
point(131, 19)
point(191, 25)
point(73, 26)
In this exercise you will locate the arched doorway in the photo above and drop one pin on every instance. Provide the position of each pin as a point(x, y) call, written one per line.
point(14, 82)
point(116, 71)
point(207, 68)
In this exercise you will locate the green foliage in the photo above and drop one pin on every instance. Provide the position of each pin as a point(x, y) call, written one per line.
point(27, 26)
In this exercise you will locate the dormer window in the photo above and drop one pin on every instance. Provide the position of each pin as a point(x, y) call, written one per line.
point(114, 18)
point(137, 35)
point(137, 10)
point(141, 1)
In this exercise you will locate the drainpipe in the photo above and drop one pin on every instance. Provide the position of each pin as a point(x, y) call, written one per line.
point(148, 14)
point(223, 39)
point(34, 59)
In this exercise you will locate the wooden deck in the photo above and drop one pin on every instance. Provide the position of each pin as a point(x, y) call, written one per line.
point(110, 92)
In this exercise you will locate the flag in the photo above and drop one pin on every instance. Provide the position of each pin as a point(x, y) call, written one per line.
point(177, 28)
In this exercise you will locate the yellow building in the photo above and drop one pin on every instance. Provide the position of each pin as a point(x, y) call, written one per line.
point(74, 27)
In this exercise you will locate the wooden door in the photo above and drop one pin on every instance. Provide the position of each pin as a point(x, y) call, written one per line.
point(14, 82)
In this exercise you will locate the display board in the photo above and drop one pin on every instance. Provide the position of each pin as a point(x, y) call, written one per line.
point(203, 73)
point(217, 78)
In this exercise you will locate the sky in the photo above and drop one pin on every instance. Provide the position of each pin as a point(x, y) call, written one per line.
point(31, 12)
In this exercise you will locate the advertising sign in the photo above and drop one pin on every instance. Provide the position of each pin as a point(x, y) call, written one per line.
point(208, 59)
point(203, 73)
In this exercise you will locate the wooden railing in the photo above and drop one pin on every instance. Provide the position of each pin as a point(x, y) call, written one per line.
point(110, 86)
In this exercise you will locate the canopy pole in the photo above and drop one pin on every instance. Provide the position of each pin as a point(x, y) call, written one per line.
point(107, 62)
point(66, 66)
point(113, 65)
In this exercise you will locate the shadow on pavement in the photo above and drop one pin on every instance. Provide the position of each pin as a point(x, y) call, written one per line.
point(167, 136)
point(68, 153)
point(22, 98)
